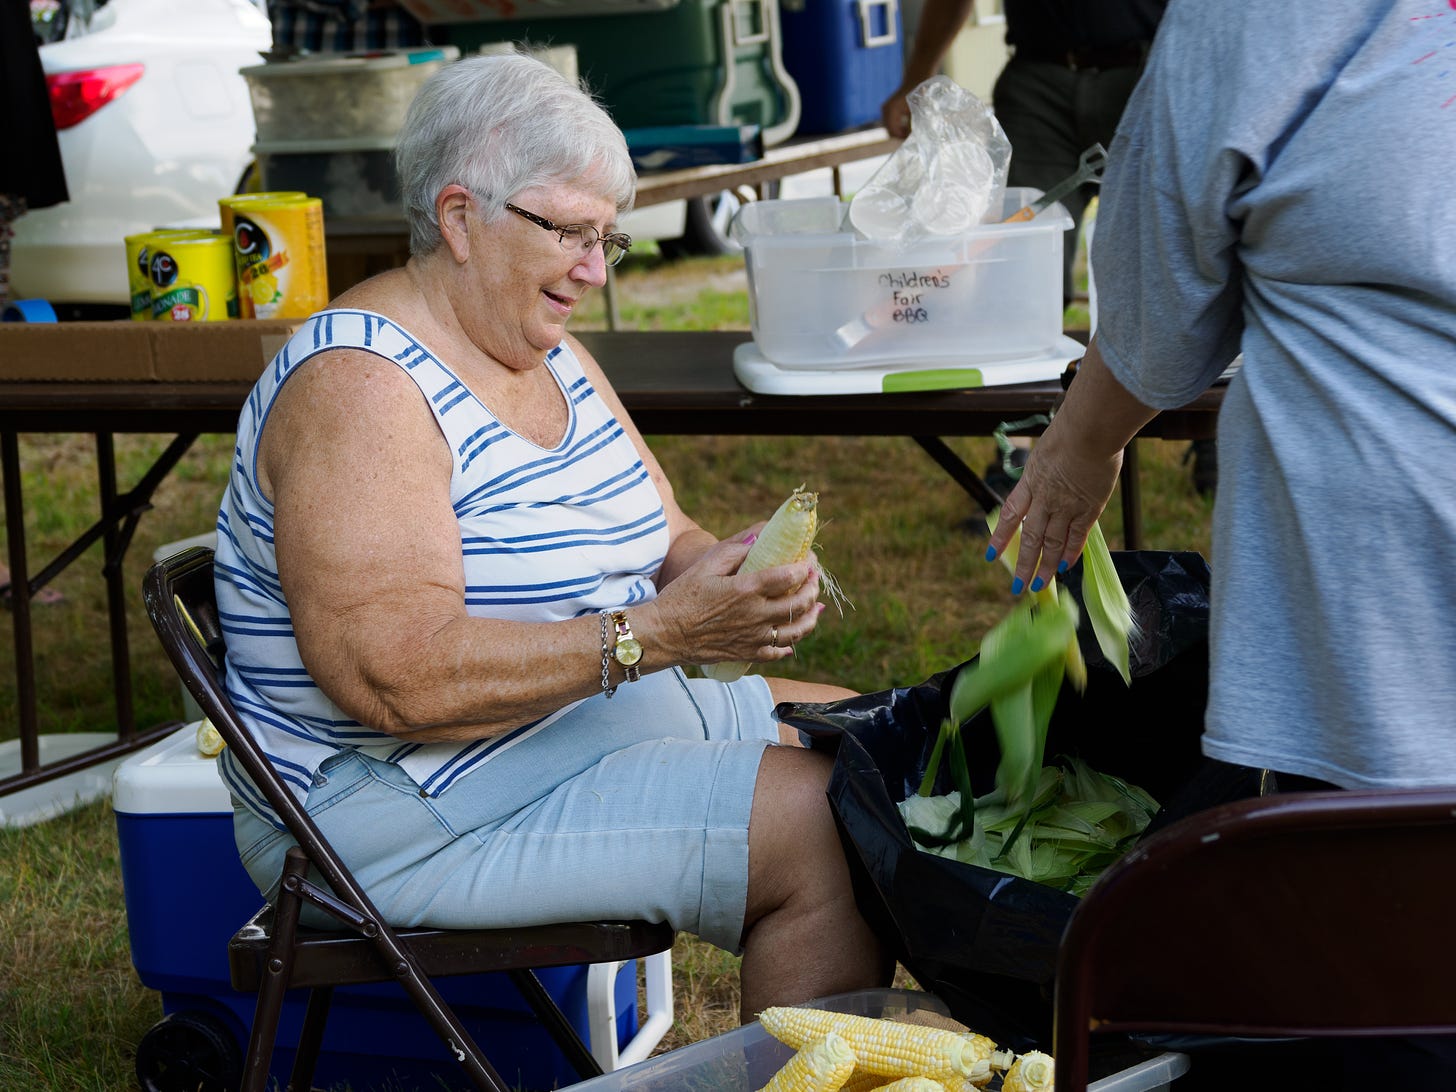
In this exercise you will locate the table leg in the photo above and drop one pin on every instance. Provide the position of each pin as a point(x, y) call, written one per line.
point(1132, 499)
point(119, 516)
point(964, 476)
point(20, 604)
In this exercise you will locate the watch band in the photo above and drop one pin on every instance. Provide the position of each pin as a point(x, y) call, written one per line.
point(627, 650)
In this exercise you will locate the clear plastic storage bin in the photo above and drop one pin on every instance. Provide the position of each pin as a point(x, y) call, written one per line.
point(823, 297)
point(746, 1058)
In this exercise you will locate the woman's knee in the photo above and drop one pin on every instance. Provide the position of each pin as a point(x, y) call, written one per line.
point(793, 845)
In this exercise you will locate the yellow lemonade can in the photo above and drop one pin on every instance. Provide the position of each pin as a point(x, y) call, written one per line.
point(191, 277)
point(138, 258)
point(278, 251)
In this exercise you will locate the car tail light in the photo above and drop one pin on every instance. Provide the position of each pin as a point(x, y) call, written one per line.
point(75, 96)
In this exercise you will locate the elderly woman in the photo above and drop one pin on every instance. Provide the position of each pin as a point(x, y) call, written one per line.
point(459, 595)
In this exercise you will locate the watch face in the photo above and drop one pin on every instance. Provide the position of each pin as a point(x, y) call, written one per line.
point(628, 651)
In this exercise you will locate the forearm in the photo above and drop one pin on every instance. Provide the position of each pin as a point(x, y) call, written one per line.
point(940, 22)
point(686, 548)
point(1098, 417)
point(474, 678)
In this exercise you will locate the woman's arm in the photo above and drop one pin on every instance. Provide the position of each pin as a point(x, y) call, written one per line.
point(368, 552)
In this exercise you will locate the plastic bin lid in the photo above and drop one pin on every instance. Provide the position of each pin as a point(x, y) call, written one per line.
point(347, 63)
point(171, 777)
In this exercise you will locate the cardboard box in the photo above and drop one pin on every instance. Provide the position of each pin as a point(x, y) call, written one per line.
point(125, 351)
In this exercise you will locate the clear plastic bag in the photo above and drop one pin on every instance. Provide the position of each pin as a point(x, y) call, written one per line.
point(945, 177)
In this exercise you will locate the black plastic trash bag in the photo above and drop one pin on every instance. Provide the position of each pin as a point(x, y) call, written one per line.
point(983, 941)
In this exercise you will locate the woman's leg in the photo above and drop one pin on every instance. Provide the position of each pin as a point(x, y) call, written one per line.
point(804, 936)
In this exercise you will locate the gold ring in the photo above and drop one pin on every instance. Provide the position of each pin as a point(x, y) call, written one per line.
point(774, 636)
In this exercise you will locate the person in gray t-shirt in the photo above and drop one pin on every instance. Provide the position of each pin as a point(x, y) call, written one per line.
point(1280, 186)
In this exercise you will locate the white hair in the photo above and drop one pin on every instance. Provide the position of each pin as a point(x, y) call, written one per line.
point(498, 125)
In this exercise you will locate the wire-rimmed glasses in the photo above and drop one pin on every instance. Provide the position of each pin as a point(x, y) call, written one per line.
point(580, 238)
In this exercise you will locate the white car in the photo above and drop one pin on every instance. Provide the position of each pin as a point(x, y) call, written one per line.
point(157, 124)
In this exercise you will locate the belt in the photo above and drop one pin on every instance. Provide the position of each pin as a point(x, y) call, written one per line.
point(1126, 55)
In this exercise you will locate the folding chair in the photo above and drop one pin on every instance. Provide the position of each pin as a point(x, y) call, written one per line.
point(1293, 915)
point(273, 953)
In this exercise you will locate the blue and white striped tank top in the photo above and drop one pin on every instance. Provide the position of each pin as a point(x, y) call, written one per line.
point(546, 535)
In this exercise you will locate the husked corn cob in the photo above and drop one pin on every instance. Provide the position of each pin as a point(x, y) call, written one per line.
point(885, 1046)
point(912, 1084)
point(787, 537)
point(1031, 1072)
point(820, 1065)
point(863, 1080)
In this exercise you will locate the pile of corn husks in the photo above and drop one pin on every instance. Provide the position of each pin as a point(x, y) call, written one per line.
point(1079, 822)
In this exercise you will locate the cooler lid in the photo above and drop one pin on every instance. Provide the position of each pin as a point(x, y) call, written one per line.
point(170, 777)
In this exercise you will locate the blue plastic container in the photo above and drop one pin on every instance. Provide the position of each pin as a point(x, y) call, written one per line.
point(846, 57)
point(186, 893)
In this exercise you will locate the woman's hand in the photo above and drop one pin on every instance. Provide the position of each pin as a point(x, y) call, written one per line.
point(712, 614)
point(1059, 497)
point(1070, 475)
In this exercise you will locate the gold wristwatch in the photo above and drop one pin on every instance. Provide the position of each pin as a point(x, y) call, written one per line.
point(628, 650)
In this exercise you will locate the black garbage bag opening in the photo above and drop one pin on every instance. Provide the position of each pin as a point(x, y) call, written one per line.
point(983, 941)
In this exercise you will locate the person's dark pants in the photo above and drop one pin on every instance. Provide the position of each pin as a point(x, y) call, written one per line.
point(1051, 115)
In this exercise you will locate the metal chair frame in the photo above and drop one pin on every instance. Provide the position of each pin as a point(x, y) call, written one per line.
point(273, 952)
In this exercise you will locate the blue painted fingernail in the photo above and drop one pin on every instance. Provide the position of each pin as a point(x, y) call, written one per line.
point(1038, 584)
point(1016, 586)
point(1062, 565)
point(990, 553)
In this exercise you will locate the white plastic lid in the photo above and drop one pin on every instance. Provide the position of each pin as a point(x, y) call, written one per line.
point(344, 63)
point(171, 777)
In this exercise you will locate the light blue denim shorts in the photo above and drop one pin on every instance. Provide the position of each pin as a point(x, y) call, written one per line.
point(631, 807)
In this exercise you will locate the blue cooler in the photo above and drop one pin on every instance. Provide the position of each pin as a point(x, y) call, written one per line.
point(846, 57)
point(187, 893)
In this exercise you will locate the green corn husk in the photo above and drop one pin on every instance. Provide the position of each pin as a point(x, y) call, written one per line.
point(1077, 823)
point(1107, 607)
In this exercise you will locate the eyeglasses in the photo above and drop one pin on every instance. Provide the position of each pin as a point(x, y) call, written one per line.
point(580, 238)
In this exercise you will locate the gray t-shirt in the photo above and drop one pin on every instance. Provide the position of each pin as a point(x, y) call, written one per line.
point(1282, 186)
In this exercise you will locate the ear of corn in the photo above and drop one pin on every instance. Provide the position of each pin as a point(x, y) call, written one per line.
point(1031, 1072)
point(863, 1080)
point(787, 537)
point(912, 1084)
point(1107, 605)
point(1076, 664)
point(889, 1047)
point(822, 1064)
point(1039, 638)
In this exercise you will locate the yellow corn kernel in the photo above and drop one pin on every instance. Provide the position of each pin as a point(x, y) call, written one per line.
point(912, 1084)
point(822, 1065)
point(863, 1080)
point(787, 537)
point(884, 1046)
point(1031, 1072)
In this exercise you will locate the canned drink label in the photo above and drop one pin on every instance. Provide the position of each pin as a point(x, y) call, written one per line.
point(278, 248)
point(192, 279)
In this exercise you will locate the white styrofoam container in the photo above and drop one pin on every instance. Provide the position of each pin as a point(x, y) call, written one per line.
point(823, 296)
point(349, 96)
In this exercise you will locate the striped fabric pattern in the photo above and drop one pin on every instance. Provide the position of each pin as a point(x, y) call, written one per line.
point(546, 534)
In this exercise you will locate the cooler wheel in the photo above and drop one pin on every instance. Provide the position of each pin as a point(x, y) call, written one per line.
point(189, 1052)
